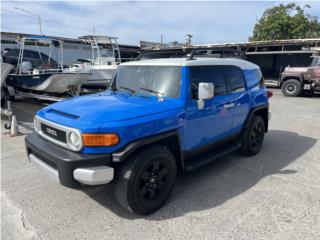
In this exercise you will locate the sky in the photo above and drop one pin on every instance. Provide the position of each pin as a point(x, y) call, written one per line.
point(208, 22)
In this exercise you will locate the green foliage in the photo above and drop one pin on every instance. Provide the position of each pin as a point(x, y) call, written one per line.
point(286, 22)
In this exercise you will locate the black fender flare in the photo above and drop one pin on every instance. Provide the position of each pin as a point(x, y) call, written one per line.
point(253, 111)
point(128, 149)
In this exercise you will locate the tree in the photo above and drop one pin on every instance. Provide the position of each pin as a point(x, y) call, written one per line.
point(286, 22)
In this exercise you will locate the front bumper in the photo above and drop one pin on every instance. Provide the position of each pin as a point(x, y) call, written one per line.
point(316, 87)
point(70, 168)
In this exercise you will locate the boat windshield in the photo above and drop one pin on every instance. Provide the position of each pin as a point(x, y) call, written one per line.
point(315, 62)
point(161, 81)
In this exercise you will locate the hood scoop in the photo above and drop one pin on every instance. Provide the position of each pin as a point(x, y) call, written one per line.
point(63, 113)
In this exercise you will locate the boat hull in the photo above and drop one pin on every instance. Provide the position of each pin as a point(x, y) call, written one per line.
point(100, 76)
point(5, 70)
point(48, 82)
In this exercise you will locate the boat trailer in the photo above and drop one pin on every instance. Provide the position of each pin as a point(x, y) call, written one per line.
point(11, 123)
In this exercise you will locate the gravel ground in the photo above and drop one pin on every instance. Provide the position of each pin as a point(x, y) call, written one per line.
point(274, 195)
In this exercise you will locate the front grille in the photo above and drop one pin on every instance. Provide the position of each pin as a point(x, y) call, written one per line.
point(53, 132)
point(46, 161)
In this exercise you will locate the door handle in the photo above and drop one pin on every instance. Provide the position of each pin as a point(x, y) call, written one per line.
point(228, 105)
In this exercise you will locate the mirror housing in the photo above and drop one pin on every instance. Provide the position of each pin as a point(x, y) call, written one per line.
point(205, 91)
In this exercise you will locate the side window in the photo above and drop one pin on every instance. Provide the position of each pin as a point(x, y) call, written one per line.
point(207, 74)
point(28, 54)
point(235, 78)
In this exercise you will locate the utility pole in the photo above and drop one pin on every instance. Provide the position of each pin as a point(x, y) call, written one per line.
point(40, 24)
point(33, 14)
point(189, 36)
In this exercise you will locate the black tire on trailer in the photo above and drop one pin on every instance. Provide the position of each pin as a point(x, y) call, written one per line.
point(253, 136)
point(145, 181)
point(291, 88)
point(3, 98)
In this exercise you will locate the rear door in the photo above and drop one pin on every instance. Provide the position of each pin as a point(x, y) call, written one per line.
point(214, 122)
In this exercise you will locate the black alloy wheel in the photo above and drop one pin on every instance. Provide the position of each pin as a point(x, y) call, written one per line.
point(153, 180)
point(257, 135)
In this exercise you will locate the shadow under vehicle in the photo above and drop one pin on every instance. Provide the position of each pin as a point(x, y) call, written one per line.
point(222, 180)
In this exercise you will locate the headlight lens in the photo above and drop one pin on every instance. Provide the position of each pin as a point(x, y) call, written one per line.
point(74, 140)
point(35, 123)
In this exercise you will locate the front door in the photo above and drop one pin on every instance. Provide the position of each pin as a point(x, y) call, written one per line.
point(214, 122)
point(239, 96)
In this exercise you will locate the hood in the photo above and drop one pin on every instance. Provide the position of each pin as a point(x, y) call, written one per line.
point(108, 107)
point(296, 69)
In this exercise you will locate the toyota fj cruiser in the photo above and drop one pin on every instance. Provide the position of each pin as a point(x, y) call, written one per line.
point(160, 117)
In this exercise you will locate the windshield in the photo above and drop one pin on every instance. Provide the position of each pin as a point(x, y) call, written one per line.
point(161, 81)
point(315, 62)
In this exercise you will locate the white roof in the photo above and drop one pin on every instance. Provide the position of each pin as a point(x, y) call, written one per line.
point(195, 62)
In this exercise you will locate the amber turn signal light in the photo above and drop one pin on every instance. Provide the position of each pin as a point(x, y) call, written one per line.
point(98, 140)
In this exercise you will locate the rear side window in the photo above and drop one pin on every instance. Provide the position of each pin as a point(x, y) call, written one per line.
point(235, 78)
point(253, 77)
point(207, 74)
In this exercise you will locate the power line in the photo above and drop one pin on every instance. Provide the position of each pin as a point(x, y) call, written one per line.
point(47, 21)
point(14, 13)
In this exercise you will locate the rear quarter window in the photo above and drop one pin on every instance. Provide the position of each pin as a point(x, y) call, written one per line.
point(253, 77)
point(235, 78)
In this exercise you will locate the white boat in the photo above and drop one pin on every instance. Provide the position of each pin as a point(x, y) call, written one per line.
point(6, 92)
point(5, 70)
point(43, 79)
point(103, 64)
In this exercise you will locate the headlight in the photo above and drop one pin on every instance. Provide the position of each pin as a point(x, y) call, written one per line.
point(36, 124)
point(74, 140)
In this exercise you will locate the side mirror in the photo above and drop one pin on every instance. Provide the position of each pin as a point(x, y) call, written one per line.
point(205, 91)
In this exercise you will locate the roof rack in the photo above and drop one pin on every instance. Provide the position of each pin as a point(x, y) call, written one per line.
point(190, 53)
point(162, 53)
point(216, 52)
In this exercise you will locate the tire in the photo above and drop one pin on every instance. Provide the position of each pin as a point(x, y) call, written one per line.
point(145, 181)
point(252, 137)
point(291, 88)
point(3, 98)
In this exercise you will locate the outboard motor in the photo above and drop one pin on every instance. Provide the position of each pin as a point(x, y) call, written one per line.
point(26, 67)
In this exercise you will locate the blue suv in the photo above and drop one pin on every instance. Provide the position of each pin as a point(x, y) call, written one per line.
point(159, 117)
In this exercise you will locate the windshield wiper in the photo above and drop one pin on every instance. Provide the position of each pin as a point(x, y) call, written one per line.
point(153, 91)
point(128, 89)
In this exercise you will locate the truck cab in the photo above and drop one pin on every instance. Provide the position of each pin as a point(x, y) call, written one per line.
point(159, 117)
